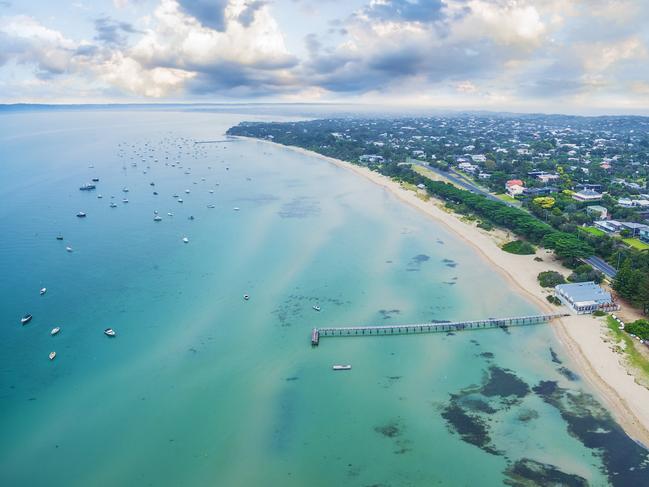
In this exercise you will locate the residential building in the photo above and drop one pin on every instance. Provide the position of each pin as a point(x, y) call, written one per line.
point(643, 234)
point(515, 187)
point(585, 297)
point(587, 195)
point(608, 226)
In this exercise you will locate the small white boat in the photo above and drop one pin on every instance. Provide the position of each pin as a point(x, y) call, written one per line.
point(316, 307)
point(69, 249)
point(211, 206)
point(52, 355)
point(341, 367)
point(125, 200)
point(187, 191)
point(25, 319)
point(125, 190)
point(55, 330)
point(157, 218)
point(109, 332)
point(99, 196)
point(246, 297)
point(81, 214)
point(113, 205)
point(185, 239)
point(43, 290)
point(211, 191)
point(180, 200)
point(236, 208)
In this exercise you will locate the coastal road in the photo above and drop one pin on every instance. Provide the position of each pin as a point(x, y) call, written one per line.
point(601, 265)
point(459, 181)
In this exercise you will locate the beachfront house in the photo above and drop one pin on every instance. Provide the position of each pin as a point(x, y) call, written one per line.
point(585, 297)
point(514, 187)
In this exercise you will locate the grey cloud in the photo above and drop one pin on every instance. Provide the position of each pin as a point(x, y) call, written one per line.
point(407, 10)
point(210, 13)
point(247, 16)
point(112, 32)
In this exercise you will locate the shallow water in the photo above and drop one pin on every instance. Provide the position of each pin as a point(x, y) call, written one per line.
point(203, 388)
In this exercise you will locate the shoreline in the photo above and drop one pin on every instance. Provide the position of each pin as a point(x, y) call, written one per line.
point(580, 335)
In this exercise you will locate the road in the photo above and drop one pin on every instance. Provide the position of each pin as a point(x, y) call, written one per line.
point(601, 265)
point(461, 182)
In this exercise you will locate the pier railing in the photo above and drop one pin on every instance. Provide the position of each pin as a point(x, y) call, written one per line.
point(397, 329)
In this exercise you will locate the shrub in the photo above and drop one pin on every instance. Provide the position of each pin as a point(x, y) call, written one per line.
point(585, 273)
point(553, 299)
point(519, 247)
point(485, 226)
point(550, 279)
point(538, 259)
point(639, 328)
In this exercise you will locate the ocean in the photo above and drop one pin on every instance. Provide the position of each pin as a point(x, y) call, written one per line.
point(202, 387)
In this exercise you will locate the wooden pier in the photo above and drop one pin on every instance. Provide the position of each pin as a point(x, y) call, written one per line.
point(317, 333)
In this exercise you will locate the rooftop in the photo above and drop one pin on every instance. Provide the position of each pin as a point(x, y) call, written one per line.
point(580, 292)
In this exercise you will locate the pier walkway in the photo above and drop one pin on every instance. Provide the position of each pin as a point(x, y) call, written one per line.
point(396, 329)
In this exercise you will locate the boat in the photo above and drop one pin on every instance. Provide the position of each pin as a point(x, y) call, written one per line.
point(99, 196)
point(81, 214)
point(191, 217)
point(95, 180)
point(109, 332)
point(157, 218)
point(151, 184)
point(113, 205)
point(211, 206)
point(236, 208)
point(155, 193)
point(211, 191)
point(185, 239)
point(246, 297)
point(52, 355)
point(125, 200)
point(187, 191)
point(174, 196)
point(69, 249)
point(180, 200)
point(26, 319)
point(87, 187)
point(55, 330)
point(43, 290)
point(124, 190)
point(341, 367)
point(59, 237)
point(316, 307)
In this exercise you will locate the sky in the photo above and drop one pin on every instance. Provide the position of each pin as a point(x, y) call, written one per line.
point(565, 56)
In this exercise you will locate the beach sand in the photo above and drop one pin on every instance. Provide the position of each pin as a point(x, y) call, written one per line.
point(584, 337)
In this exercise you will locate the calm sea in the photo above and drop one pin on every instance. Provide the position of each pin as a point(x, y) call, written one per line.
point(201, 387)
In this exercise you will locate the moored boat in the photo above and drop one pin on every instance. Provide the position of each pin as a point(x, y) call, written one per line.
point(246, 297)
point(109, 332)
point(55, 330)
point(81, 214)
point(43, 290)
point(341, 367)
point(26, 319)
point(52, 355)
point(316, 307)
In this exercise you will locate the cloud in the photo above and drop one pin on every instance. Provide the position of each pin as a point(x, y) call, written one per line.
point(112, 32)
point(405, 10)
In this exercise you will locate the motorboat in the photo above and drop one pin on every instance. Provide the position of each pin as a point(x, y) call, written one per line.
point(151, 184)
point(125, 190)
point(55, 330)
point(246, 297)
point(26, 319)
point(43, 290)
point(81, 214)
point(186, 191)
point(99, 196)
point(125, 200)
point(52, 355)
point(59, 237)
point(180, 200)
point(211, 206)
point(316, 307)
point(109, 332)
point(157, 218)
point(96, 180)
point(236, 208)
point(155, 193)
point(87, 187)
point(68, 249)
point(191, 217)
point(113, 205)
point(185, 239)
point(341, 367)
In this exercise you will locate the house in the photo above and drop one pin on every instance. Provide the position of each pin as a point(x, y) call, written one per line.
point(546, 178)
point(585, 297)
point(633, 227)
point(540, 191)
point(515, 187)
point(479, 158)
point(599, 211)
point(608, 226)
point(421, 186)
point(467, 167)
point(587, 195)
point(371, 158)
point(643, 234)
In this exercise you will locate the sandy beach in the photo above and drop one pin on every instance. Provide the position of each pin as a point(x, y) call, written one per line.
point(584, 337)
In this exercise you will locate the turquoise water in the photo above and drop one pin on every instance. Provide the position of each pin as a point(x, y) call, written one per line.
point(203, 388)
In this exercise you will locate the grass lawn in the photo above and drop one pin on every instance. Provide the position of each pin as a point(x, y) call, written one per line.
point(507, 198)
point(636, 359)
point(635, 243)
point(593, 231)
